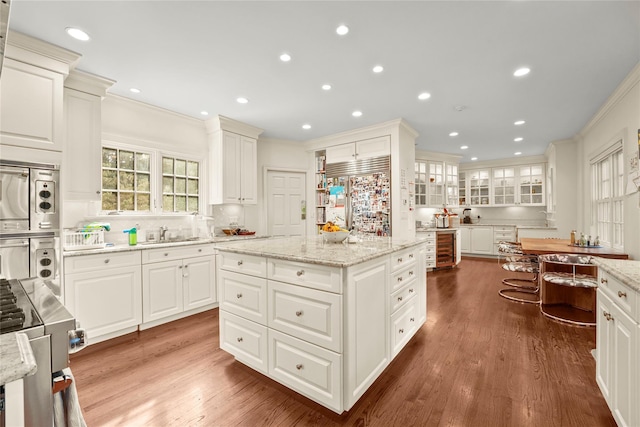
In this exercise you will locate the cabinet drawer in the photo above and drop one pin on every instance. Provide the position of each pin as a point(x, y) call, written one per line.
point(308, 369)
point(404, 324)
point(83, 263)
point(403, 258)
point(180, 252)
point(403, 295)
point(399, 278)
point(308, 275)
point(246, 340)
point(241, 263)
point(622, 295)
point(243, 295)
point(431, 243)
point(431, 249)
point(309, 314)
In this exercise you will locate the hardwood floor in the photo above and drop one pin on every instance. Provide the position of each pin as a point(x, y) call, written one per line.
point(480, 360)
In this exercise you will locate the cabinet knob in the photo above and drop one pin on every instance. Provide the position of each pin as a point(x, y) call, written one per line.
point(411, 290)
point(400, 279)
point(622, 294)
point(240, 262)
point(180, 267)
point(411, 273)
point(98, 192)
point(238, 296)
point(401, 331)
point(299, 313)
point(603, 280)
point(299, 366)
point(399, 259)
point(399, 299)
point(166, 254)
point(238, 198)
point(299, 273)
point(106, 261)
point(239, 339)
point(411, 319)
point(607, 316)
point(199, 250)
point(410, 255)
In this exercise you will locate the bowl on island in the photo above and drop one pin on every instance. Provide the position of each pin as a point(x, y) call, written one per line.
point(334, 236)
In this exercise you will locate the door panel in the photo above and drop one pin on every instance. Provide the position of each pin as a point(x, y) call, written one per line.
point(285, 196)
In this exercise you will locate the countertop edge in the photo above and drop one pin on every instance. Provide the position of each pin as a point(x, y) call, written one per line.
point(620, 269)
point(17, 357)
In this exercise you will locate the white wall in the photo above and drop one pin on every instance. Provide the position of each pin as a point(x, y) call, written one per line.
point(618, 118)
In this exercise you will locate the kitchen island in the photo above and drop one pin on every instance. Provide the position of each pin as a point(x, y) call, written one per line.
point(324, 319)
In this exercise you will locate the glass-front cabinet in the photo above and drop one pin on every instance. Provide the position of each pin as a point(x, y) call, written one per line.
point(436, 184)
point(478, 186)
point(517, 185)
point(504, 186)
point(421, 184)
point(531, 181)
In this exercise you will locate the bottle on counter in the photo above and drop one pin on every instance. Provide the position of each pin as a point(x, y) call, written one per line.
point(597, 241)
point(583, 240)
point(573, 237)
point(589, 240)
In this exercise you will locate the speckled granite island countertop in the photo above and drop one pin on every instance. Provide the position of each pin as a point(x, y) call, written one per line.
point(627, 271)
point(315, 250)
point(16, 357)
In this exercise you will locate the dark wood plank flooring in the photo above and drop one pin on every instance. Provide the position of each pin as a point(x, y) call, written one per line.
point(480, 360)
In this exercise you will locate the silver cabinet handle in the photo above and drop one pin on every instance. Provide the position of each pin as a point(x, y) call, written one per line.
point(603, 280)
point(240, 262)
point(299, 273)
point(622, 294)
point(299, 313)
point(238, 296)
point(239, 339)
point(299, 366)
point(106, 261)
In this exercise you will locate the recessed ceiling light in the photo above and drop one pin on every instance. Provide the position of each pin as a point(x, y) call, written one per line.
point(306, 126)
point(342, 30)
point(134, 90)
point(474, 158)
point(454, 134)
point(326, 87)
point(517, 153)
point(356, 113)
point(204, 113)
point(521, 72)
point(285, 57)
point(464, 147)
point(77, 34)
point(518, 139)
point(519, 122)
point(242, 100)
point(424, 95)
point(378, 69)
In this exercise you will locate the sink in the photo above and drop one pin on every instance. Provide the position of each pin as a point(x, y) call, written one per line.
point(160, 242)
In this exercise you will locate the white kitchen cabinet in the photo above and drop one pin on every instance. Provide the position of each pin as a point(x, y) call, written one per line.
point(181, 284)
point(618, 348)
point(31, 106)
point(436, 184)
point(359, 150)
point(503, 233)
point(518, 185)
point(104, 293)
point(458, 246)
point(233, 162)
point(83, 94)
point(477, 240)
point(430, 248)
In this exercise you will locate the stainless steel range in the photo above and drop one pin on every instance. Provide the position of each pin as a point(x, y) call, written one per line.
point(30, 306)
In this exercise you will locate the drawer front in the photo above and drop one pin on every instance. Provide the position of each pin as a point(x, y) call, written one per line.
point(426, 234)
point(243, 295)
point(308, 275)
point(623, 296)
point(246, 340)
point(403, 295)
point(404, 324)
point(308, 314)
point(431, 245)
point(241, 263)
point(401, 277)
point(180, 252)
point(97, 262)
point(403, 258)
point(310, 370)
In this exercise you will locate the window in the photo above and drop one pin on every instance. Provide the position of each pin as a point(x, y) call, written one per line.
point(130, 181)
point(180, 185)
point(607, 191)
point(126, 180)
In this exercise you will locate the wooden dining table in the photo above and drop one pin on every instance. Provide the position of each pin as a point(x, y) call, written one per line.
point(535, 246)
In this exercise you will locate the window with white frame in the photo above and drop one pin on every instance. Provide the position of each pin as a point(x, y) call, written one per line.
point(129, 181)
point(607, 196)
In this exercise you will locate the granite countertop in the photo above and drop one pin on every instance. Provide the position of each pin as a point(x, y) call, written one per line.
point(16, 357)
point(627, 271)
point(315, 250)
point(147, 245)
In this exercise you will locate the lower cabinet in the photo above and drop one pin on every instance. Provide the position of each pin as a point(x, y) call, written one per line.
point(179, 285)
point(618, 349)
point(103, 292)
point(477, 240)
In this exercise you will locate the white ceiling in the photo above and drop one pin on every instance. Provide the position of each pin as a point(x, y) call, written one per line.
point(189, 56)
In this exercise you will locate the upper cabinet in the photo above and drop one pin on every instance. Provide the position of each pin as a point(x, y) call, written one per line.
point(366, 149)
point(31, 93)
point(476, 187)
point(436, 183)
point(233, 160)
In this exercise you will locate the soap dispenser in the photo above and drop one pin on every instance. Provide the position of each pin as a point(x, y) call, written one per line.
point(133, 236)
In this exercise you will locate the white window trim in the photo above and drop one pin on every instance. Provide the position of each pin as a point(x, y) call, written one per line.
point(596, 181)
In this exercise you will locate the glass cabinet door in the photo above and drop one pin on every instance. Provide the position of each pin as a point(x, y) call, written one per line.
point(504, 186)
point(452, 185)
point(462, 189)
point(436, 184)
point(531, 185)
point(479, 187)
point(421, 183)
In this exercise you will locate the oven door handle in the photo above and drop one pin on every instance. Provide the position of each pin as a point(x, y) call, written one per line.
point(16, 245)
point(23, 172)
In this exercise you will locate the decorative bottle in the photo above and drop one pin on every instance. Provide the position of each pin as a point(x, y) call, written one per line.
point(573, 237)
point(583, 240)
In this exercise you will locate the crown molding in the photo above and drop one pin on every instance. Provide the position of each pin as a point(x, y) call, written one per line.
point(514, 161)
point(432, 155)
point(88, 83)
point(391, 127)
point(144, 105)
point(219, 123)
point(632, 79)
point(30, 50)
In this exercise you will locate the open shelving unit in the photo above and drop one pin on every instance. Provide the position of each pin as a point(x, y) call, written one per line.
point(321, 189)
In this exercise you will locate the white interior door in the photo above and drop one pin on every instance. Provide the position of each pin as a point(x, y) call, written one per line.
point(285, 197)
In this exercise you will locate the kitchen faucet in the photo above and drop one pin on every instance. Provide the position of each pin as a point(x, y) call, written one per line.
point(163, 232)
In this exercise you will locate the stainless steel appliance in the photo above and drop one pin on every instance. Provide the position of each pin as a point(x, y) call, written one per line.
point(360, 195)
point(29, 306)
point(29, 255)
point(442, 220)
